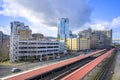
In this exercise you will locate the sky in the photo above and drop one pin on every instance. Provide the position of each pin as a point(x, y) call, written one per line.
point(41, 15)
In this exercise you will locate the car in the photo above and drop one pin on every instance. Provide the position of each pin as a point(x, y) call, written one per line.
point(14, 70)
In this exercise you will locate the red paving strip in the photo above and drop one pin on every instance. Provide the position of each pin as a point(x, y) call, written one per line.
point(50, 67)
point(81, 72)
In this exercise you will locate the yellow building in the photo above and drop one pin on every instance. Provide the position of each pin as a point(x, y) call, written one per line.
point(72, 44)
point(76, 44)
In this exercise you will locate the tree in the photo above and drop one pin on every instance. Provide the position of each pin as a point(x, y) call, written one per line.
point(4, 53)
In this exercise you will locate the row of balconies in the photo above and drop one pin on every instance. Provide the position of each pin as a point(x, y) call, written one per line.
point(40, 53)
point(43, 43)
point(48, 47)
point(36, 45)
point(37, 49)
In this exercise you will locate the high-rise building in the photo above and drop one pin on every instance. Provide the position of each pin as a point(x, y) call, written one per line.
point(63, 28)
point(1, 38)
point(19, 31)
point(63, 33)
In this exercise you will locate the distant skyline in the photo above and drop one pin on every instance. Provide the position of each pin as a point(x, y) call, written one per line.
point(42, 15)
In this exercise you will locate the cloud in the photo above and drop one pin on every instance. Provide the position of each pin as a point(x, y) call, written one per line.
point(97, 24)
point(44, 13)
point(5, 30)
point(102, 25)
point(115, 22)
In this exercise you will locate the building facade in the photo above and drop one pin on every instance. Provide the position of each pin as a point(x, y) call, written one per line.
point(36, 49)
point(101, 39)
point(77, 44)
point(72, 44)
point(23, 46)
point(62, 46)
point(25, 34)
point(63, 33)
point(37, 36)
point(94, 41)
point(63, 28)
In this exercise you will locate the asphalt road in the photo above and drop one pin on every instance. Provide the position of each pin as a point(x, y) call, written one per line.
point(5, 69)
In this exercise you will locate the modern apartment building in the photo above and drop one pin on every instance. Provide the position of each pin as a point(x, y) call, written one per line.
point(24, 47)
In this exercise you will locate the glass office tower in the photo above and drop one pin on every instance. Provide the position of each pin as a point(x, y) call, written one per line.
point(63, 28)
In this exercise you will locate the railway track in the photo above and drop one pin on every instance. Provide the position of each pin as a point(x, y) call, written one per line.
point(58, 73)
point(106, 72)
